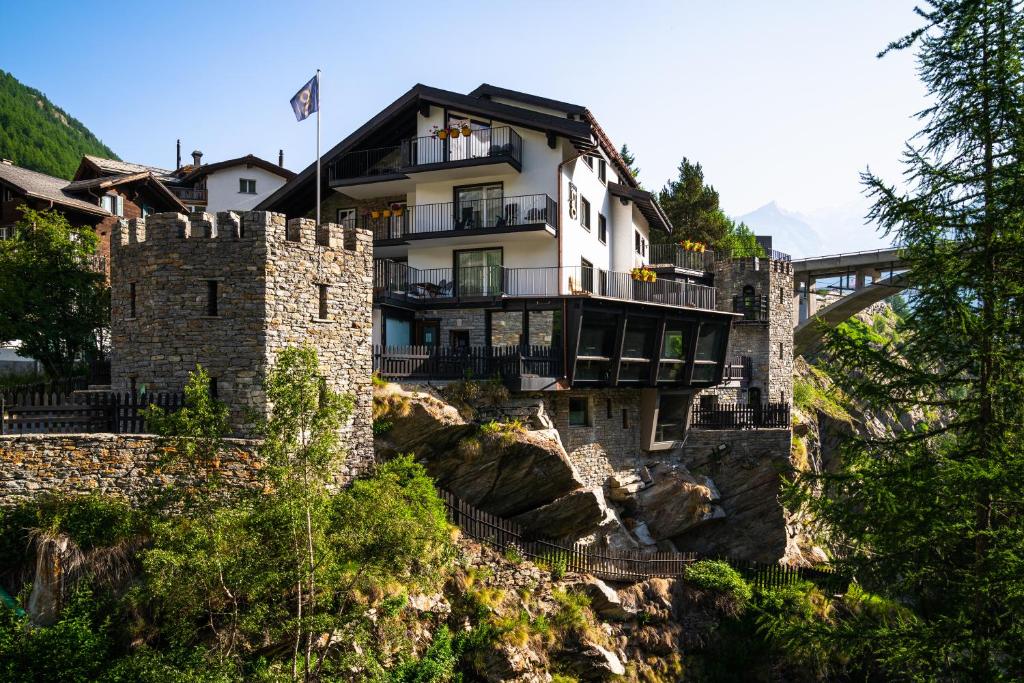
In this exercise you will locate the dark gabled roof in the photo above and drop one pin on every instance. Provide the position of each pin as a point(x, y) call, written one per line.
point(487, 91)
point(646, 202)
point(247, 160)
point(578, 132)
point(99, 166)
point(145, 178)
point(46, 187)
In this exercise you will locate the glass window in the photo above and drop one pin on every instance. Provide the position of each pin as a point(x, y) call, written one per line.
point(597, 337)
point(579, 412)
point(397, 332)
point(593, 371)
point(671, 423)
point(674, 345)
point(635, 371)
point(639, 338)
point(246, 186)
point(478, 206)
point(708, 342)
point(584, 213)
point(704, 372)
point(602, 228)
point(602, 170)
point(478, 272)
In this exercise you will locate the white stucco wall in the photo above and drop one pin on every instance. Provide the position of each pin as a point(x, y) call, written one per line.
point(222, 188)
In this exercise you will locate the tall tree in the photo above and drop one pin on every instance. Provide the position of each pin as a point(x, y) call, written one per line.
point(630, 160)
point(934, 516)
point(692, 206)
point(53, 298)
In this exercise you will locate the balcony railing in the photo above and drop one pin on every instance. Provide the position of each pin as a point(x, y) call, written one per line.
point(754, 308)
point(367, 163)
point(740, 370)
point(399, 281)
point(482, 143)
point(741, 416)
point(477, 214)
point(499, 144)
point(461, 362)
point(675, 255)
point(190, 194)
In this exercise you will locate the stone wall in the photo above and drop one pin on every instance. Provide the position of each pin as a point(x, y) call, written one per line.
point(747, 468)
point(268, 276)
point(111, 464)
point(472, 320)
point(769, 344)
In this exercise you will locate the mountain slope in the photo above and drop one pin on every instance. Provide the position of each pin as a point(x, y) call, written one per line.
point(790, 232)
point(830, 230)
point(38, 135)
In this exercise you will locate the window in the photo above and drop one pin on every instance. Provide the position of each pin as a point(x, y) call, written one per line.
point(198, 209)
point(706, 358)
point(478, 272)
point(213, 388)
point(671, 424)
point(639, 243)
point(322, 290)
point(347, 217)
point(588, 160)
point(608, 409)
point(625, 418)
point(586, 275)
point(131, 300)
point(602, 228)
point(585, 214)
point(673, 354)
point(602, 170)
point(113, 203)
point(479, 206)
point(246, 186)
point(579, 412)
point(8, 195)
point(211, 298)
point(146, 210)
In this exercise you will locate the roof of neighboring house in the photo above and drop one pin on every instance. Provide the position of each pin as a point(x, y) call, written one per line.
point(579, 132)
point(46, 187)
point(247, 160)
point(114, 167)
point(144, 177)
point(646, 202)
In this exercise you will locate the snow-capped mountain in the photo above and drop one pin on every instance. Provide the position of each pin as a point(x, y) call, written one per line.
point(829, 230)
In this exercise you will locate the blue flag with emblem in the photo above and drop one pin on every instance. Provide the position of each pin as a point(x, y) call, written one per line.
point(307, 100)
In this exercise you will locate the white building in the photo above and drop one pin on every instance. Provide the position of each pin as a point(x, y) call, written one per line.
point(232, 185)
point(508, 238)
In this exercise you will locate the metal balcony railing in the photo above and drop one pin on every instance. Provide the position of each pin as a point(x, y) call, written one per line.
point(500, 144)
point(753, 307)
point(477, 214)
point(675, 255)
point(394, 280)
point(482, 143)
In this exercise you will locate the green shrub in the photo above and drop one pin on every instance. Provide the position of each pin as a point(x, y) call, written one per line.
point(717, 576)
point(382, 427)
point(573, 615)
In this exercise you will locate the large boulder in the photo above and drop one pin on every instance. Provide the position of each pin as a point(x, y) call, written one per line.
point(675, 502)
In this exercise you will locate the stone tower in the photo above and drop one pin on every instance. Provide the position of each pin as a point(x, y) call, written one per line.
point(230, 294)
point(761, 289)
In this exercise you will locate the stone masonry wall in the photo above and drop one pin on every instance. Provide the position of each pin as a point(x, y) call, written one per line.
point(769, 344)
point(110, 464)
point(469, 319)
point(268, 275)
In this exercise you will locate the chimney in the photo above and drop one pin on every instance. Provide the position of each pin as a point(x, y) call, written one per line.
point(280, 158)
point(177, 164)
point(197, 157)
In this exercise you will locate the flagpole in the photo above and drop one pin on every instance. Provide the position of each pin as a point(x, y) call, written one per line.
point(318, 147)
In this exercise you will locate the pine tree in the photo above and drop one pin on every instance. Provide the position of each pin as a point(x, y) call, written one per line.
point(692, 206)
point(932, 516)
point(630, 160)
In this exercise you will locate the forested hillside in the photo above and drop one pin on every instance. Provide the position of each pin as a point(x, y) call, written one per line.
point(36, 134)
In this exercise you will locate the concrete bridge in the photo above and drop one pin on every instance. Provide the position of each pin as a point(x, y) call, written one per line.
point(871, 276)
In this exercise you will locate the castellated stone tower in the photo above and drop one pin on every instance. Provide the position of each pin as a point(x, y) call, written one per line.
point(762, 290)
point(231, 293)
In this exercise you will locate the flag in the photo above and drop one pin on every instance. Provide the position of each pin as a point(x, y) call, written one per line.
point(307, 100)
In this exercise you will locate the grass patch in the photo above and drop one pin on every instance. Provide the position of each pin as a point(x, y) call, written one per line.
point(718, 577)
point(810, 397)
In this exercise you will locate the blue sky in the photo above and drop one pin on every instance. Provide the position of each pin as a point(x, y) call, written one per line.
point(778, 100)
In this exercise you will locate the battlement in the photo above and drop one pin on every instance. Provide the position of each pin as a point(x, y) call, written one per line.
point(755, 264)
point(228, 226)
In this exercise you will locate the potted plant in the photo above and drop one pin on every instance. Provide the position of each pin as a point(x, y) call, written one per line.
point(375, 214)
point(466, 130)
point(386, 213)
point(439, 133)
point(454, 131)
point(396, 212)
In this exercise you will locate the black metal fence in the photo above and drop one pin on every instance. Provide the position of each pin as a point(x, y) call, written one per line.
point(461, 362)
point(675, 255)
point(616, 565)
point(754, 307)
point(493, 213)
point(80, 412)
point(741, 416)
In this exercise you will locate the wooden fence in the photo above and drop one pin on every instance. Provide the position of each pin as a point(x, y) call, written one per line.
point(83, 412)
point(456, 362)
point(615, 565)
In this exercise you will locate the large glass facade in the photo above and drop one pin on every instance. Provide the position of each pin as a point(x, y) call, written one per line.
point(671, 423)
